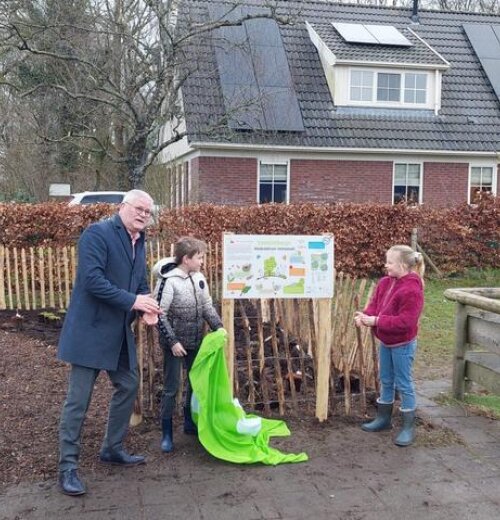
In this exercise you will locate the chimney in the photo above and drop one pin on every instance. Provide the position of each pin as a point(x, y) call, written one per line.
point(414, 14)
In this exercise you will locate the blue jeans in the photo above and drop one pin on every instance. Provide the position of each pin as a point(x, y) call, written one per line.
point(396, 364)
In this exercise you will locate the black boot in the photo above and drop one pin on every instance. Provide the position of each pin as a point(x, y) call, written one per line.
point(189, 427)
point(167, 441)
point(382, 421)
point(70, 483)
point(407, 434)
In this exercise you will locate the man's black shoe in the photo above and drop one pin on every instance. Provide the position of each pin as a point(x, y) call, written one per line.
point(70, 483)
point(120, 458)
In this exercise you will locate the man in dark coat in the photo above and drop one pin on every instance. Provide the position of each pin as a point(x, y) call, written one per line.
point(110, 289)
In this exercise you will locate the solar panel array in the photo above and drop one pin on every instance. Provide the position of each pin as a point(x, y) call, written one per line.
point(485, 40)
point(255, 77)
point(372, 34)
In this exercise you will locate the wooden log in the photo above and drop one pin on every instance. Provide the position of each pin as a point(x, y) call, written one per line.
point(41, 276)
point(228, 320)
point(484, 330)
point(474, 300)
point(323, 354)
point(460, 350)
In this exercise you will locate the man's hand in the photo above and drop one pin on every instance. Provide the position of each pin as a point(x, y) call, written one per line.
point(178, 350)
point(150, 318)
point(145, 303)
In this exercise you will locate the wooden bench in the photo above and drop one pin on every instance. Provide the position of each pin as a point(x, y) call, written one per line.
point(477, 339)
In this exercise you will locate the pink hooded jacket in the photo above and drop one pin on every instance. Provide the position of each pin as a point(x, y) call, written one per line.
point(397, 303)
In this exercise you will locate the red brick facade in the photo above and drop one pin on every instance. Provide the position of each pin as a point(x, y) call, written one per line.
point(445, 184)
point(233, 180)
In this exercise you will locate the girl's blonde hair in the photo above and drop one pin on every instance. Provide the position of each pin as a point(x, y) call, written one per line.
point(413, 260)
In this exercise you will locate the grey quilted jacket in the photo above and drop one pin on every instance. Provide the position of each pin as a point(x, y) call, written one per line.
point(186, 304)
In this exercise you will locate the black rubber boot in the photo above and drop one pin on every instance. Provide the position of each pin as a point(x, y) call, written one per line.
point(406, 436)
point(167, 441)
point(189, 427)
point(382, 421)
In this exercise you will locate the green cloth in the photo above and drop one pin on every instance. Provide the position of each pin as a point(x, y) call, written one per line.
point(224, 429)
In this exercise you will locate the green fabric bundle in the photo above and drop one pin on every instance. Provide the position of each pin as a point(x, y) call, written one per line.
point(224, 429)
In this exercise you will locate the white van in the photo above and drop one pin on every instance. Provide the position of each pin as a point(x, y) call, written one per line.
point(94, 197)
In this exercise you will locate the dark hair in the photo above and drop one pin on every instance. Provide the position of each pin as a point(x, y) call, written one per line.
point(188, 246)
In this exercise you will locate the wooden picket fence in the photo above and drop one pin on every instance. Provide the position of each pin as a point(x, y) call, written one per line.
point(43, 277)
point(274, 360)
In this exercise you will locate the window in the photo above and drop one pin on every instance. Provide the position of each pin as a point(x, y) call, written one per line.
point(361, 85)
point(481, 181)
point(407, 88)
point(388, 87)
point(273, 180)
point(415, 88)
point(407, 183)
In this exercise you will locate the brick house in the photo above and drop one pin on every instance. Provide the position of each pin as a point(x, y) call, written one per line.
point(348, 103)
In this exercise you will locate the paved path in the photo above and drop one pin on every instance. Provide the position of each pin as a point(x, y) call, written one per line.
point(351, 475)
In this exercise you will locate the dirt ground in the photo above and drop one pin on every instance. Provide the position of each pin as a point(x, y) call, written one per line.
point(33, 390)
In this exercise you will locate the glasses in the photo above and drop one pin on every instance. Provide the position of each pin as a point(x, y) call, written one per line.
point(140, 210)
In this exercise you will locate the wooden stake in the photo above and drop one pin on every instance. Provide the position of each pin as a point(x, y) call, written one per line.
point(16, 279)
point(276, 355)
point(24, 268)
point(3, 304)
point(41, 270)
point(66, 275)
point(52, 301)
point(33, 277)
point(228, 320)
point(324, 346)
point(9, 279)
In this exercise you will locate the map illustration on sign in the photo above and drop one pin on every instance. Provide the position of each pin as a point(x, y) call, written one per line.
point(278, 266)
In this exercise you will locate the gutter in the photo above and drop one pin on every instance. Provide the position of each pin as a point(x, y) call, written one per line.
point(311, 149)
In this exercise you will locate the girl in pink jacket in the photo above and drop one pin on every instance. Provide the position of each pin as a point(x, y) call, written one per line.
point(393, 313)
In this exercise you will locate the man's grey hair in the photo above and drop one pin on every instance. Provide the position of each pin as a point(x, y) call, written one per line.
point(137, 194)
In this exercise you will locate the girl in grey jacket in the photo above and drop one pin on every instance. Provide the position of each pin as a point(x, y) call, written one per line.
point(183, 294)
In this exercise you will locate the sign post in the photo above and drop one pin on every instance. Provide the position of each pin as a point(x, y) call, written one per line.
point(282, 266)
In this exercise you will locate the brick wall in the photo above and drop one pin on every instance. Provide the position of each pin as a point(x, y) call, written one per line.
point(445, 184)
point(340, 181)
point(233, 180)
point(227, 180)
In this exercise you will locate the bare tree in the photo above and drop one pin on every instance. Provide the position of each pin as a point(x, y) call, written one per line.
point(121, 63)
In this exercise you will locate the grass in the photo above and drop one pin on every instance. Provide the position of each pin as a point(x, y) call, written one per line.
point(436, 336)
point(477, 404)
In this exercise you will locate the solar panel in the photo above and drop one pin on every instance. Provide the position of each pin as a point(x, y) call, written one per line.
point(372, 34)
point(255, 76)
point(485, 40)
point(388, 35)
point(355, 33)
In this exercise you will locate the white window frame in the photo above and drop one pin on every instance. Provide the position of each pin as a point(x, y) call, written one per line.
point(494, 179)
point(274, 163)
point(399, 104)
point(421, 184)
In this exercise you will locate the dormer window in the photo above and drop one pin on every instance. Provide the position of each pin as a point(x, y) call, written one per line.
point(388, 88)
point(379, 66)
